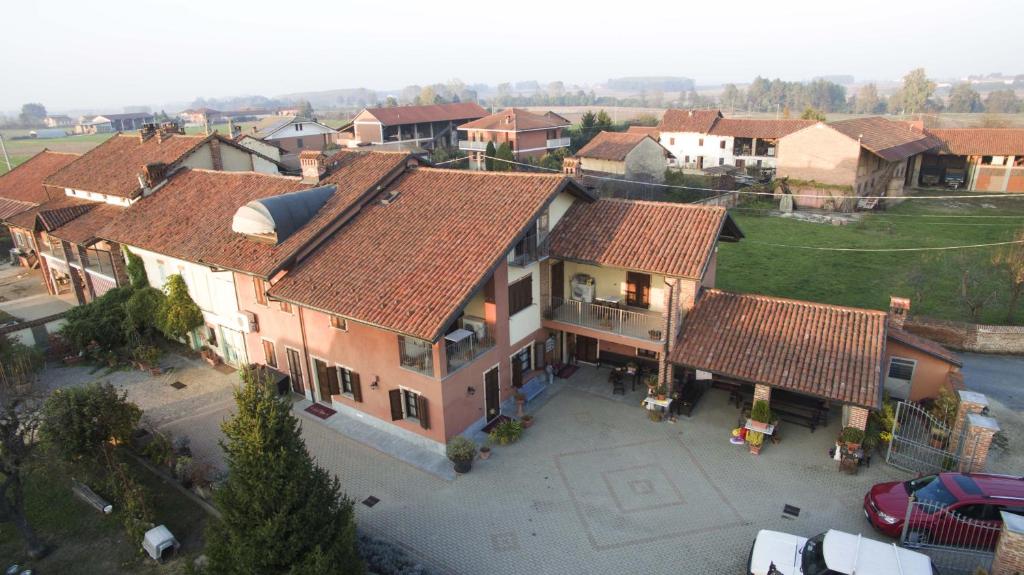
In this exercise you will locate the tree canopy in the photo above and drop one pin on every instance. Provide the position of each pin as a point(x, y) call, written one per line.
point(178, 313)
point(913, 96)
point(964, 98)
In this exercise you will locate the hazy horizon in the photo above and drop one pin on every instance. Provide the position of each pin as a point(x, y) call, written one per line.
point(165, 51)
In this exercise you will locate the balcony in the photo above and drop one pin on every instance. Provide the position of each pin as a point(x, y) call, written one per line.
point(471, 146)
point(530, 249)
point(464, 345)
point(100, 262)
point(558, 143)
point(644, 325)
point(416, 355)
point(52, 247)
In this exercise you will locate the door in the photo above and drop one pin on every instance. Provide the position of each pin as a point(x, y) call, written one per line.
point(492, 396)
point(558, 280)
point(586, 349)
point(295, 370)
point(638, 290)
point(322, 380)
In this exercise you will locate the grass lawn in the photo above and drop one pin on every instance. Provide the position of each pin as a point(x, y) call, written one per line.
point(83, 541)
point(930, 279)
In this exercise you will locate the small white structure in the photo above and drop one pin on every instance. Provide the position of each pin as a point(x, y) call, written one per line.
point(159, 543)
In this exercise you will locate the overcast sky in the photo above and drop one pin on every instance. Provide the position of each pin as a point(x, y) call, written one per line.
point(106, 54)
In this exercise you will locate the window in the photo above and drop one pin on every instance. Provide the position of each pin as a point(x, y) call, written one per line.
point(671, 141)
point(646, 353)
point(339, 323)
point(260, 288)
point(900, 368)
point(520, 295)
point(525, 358)
point(721, 161)
point(211, 336)
point(298, 143)
point(700, 142)
point(286, 307)
point(721, 144)
point(269, 353)
point(345, 376)
point(686, 159)
point(410, 405)
point(638, 289)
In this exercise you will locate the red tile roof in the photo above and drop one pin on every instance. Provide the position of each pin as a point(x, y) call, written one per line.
point(892, 141)
point(613, 146)
point(751, 128)
point(699, 121)
point(9, 208)
point(27, 219)
point(924, 344)
point(823, 350)
point(113, 167)
point(651, 131)
point(400, 115)
point(656, 237)
point(189, 218)
point(517, 120)
point(25, 182)
point(54, 217)
point(84, 229)
point(981, 141)
point(409, 265)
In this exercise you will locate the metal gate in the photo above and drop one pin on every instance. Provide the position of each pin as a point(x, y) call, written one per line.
point(922, 444)
point(957, 541)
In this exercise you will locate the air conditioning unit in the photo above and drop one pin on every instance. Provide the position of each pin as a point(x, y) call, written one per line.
point(582, 287)
point(250, 321)
point(475, 325)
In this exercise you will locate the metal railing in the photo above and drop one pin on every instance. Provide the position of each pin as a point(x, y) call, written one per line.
point(529, 250)
point(639, 324)
point(416, 355)
point(472, 146)
point(558, 143)
point(460, 353)
point(956, 543)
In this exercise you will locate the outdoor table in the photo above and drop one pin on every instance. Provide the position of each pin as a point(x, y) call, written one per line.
point(651, 403)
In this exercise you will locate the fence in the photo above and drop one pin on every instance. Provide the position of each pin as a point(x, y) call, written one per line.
point(958, 541)
point(923, 444)
point(641, 325)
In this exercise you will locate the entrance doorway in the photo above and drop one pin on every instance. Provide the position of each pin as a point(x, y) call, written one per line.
point(558, 280)
point(295, 370)
point(586, 349)
point(492, 395)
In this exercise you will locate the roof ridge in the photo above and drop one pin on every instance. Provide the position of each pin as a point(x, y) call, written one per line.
point(666, 205)
point(481, 173)
point(797, 301)
point(243, 173)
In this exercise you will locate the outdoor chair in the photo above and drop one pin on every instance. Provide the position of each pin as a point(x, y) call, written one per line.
point(618, 385)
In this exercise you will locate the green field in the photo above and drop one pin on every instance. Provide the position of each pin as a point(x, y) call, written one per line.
point(931, 279)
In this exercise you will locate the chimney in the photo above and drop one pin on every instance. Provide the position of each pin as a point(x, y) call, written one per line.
point(146, 132)
point(571, 166)
point(917, 125)
point(899, 307)
point(153, 174)
point(313, 166)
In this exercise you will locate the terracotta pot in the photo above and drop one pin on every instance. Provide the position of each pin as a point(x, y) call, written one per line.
point(527, 422)
point(754, 449)
point(485, 452)
point(661, 397)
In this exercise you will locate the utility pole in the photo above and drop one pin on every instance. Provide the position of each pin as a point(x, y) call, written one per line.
point(4, 148)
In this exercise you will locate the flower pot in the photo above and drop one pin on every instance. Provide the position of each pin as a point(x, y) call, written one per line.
point(754, 449)
point(485, 452)
point(527, 422)
point(661, 397)
point(462, 466)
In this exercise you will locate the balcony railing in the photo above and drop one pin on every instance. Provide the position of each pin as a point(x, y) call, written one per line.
point(638, 324)
point(558, 143)
point(471, 146)
point(52, 247)
point(529, 250)
point(416, 355)
point(464, 351)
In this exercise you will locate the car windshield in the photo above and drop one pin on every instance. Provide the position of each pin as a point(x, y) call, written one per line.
point(813, 561)
point(930, 488)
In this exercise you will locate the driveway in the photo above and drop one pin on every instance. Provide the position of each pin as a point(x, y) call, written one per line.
point(997, 376)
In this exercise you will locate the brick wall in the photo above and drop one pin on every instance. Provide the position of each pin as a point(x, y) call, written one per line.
point(970, 337)
point(762, 392)
point(858, 418)
point(1009, 558)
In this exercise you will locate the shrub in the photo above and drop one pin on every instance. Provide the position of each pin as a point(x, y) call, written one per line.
point(136, 270)
point(79, 421)
point(461, 449)
point(159, 451)
point(101, 320)
point(142, 311)
point(506, 432)
point(760, 412)
point(146, 354)
point(755, 438)
point(944, 407)
point(178, 314)
point(383, 558)
point(851, 435)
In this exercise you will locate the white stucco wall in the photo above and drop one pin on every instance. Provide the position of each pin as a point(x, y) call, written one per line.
point(612, 282)
point(527, 320)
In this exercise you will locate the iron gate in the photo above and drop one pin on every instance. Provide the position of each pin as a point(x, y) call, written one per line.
point(923, 444)
point(956, 541)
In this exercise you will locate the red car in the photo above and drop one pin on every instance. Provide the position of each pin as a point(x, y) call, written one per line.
point(952, 498)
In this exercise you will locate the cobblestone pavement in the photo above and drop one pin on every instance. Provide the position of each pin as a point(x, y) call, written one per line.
point(593, 487)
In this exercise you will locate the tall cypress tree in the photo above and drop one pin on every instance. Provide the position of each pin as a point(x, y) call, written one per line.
point(504, 153)
point(283, 514)
point(489, 159)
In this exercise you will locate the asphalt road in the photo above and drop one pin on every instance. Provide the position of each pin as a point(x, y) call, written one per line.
point(998, 376)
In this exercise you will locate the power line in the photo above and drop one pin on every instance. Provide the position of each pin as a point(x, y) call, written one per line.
point(890, 215)
point(876, 250)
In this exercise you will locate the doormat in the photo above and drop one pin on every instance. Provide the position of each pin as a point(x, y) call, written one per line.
point(497, 420)
point(567, 371)
point(321, 411)
point(178, 385)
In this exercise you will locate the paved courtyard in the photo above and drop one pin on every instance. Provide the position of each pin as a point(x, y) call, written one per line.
point(593, 487)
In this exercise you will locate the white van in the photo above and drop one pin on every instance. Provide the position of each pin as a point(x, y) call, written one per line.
point(832, 553)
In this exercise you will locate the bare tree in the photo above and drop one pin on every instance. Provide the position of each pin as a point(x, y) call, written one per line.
point(1011, 259)
point(20, 410)
point(976, 287)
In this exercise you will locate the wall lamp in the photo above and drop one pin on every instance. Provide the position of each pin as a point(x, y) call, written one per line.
point(375, 384)
point(471, 390)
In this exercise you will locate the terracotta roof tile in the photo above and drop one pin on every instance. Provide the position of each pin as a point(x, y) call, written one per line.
point(400, 115)
point(408, 266)
point(516, 119)
point(892, 141)
point(981, 141)
point(671, 239)
point(9, 208)
point(27, 219)
point(924, 344)
point(55, 217)
point(828, 351)
point(84, 229)
point(651, 131)
point(113, 167)
point(611, 146)
point(189, 218)
point(751, 128)
point(699, 121)
point(25, 182)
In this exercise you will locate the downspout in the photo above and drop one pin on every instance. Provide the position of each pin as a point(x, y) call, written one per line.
point(305, 354)
point(669, 328)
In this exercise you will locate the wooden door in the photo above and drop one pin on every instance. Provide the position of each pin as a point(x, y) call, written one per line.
point(295, 370)
point(322, 380)
point(492, 395)
point(638, 290)
point(586, 349)
point(558, 281)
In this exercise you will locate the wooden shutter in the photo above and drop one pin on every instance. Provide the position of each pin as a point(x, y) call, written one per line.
point(357, 388)
point(332, 381)
point(321, 380)
point(422, 412)
point(395, 395)
point(517, 371)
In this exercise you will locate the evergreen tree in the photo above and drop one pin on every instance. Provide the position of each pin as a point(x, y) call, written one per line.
point(604, 121)
point(490, 152)
point(178, 314)
point(504, 153)
point(812, 114)
point(282, 514)
point(136, 270)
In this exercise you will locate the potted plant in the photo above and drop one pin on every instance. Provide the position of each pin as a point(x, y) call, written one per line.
point(461, 452)
point(852, 438)
point(651, 380)
point(485, 451)
point(660, 392)
point(527, 421)
point(761, 414)
point(755, 440)
point(507, 432)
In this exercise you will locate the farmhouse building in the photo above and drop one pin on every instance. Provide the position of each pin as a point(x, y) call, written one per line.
point(530, 135)
point(294, 135)
point(630, 155)
point(975, 159)
point(410, 127)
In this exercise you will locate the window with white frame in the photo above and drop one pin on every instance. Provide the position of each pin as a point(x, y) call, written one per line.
point(410, 406)
point(902, 369)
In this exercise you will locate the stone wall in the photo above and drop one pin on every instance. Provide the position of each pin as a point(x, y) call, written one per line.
point(969, 336)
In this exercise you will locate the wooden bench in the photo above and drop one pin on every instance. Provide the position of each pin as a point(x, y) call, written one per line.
point(803, 411)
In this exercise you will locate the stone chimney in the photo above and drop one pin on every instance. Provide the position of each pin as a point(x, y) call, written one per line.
point(153, 174)
point(899, 308)
point(147, 131)
point(571, 166)
point(314, 165)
